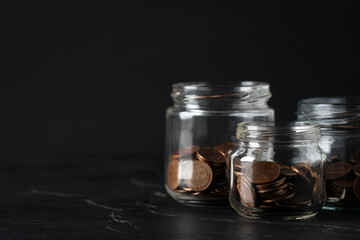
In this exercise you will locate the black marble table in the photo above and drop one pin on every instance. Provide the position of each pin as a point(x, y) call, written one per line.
point(124, 198)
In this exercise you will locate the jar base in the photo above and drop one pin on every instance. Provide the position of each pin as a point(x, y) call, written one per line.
point(294, 217)
point(198, 201)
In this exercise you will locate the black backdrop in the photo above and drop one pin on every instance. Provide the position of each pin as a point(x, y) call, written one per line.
point(94, 77)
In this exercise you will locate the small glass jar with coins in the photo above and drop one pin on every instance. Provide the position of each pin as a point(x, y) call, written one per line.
point(339, 119)
point(200, 135)
point(277, 171)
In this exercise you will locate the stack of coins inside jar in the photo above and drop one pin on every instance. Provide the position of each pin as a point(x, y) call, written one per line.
point(200, 171)
point(269, 185)
point(339, 119)
point(343, 180)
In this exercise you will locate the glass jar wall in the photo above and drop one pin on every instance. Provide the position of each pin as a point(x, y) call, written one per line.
point(339, 119)
point(200, 134)
point(277, 171)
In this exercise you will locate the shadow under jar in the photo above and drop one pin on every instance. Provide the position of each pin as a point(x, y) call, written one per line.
point(200, 135)
point(339, 119)
point(277, 171)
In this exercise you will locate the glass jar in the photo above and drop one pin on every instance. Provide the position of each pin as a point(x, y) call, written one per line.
point(339, 119)
point(200, 134)
point(277, 171)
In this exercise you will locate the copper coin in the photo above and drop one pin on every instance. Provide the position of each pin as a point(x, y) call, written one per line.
point(283, 196)
point(357, 188)
point(244, 180)
point(303, 165)
point(316, 190)
point(247, 193)
point(226, 148)
point(356, 157)
point(287, 171)
point(197, 176)
point(356, 169)
point(195, 193)
point(186, 151)
point(180, 190)
point(302, 173)
point(344, 182)
point(208, 154)
point(173, 177)
point(270, 185)
point(337, 170)
point(274, 194)
point(333, 158)
point(268, 206)
point(261, 172)
point(296, 203)
point(273, 190)
point(227, 162)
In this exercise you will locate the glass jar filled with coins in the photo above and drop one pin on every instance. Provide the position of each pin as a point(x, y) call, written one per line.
point(277, 171)
point(339, 119)
point(200, 136)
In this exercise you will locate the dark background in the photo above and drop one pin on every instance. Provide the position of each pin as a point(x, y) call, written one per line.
point(94, 77)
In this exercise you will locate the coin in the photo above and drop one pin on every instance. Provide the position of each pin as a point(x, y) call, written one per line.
point(173, 174)
point(273, 190)
point(356, 169)
point(333, 158)
point(287, 171)
point(337, 170)
point(226, 148)
point(247, 193)
point(180, 190)
point(302, 171)
point(212, 155)
point(346, 182)
point(357, 188)
point(315, 190)
point(271, 185)
point(284, 195)
point(294, 203)
point(356, 157)
point(268, 206)
point(197, 176)
point(261, 172)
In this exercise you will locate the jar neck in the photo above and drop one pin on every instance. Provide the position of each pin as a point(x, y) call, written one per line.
point(271, 144)
point(211, 96)
point(338, 113)
point(270, 133)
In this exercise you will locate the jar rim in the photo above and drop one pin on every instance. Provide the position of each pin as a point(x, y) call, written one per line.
point(201, 88)
point(221, 96)
point(278, 131)
point(331, 112)
point(337, 101)
point(233, 85)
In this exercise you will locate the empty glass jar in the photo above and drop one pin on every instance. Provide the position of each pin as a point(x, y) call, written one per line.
point(200, 134)
point(339, 119)
point(277, 171)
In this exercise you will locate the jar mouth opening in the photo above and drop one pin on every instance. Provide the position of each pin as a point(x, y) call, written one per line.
point(240, 90)
point(238, 86)
point(205, 89)
point(278, 131)
point(221, 96)
point(328, 101)
point(331, 112)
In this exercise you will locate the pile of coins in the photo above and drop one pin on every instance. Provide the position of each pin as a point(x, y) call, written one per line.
point(264, 184)
point(200, 170)
point(343, 180)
